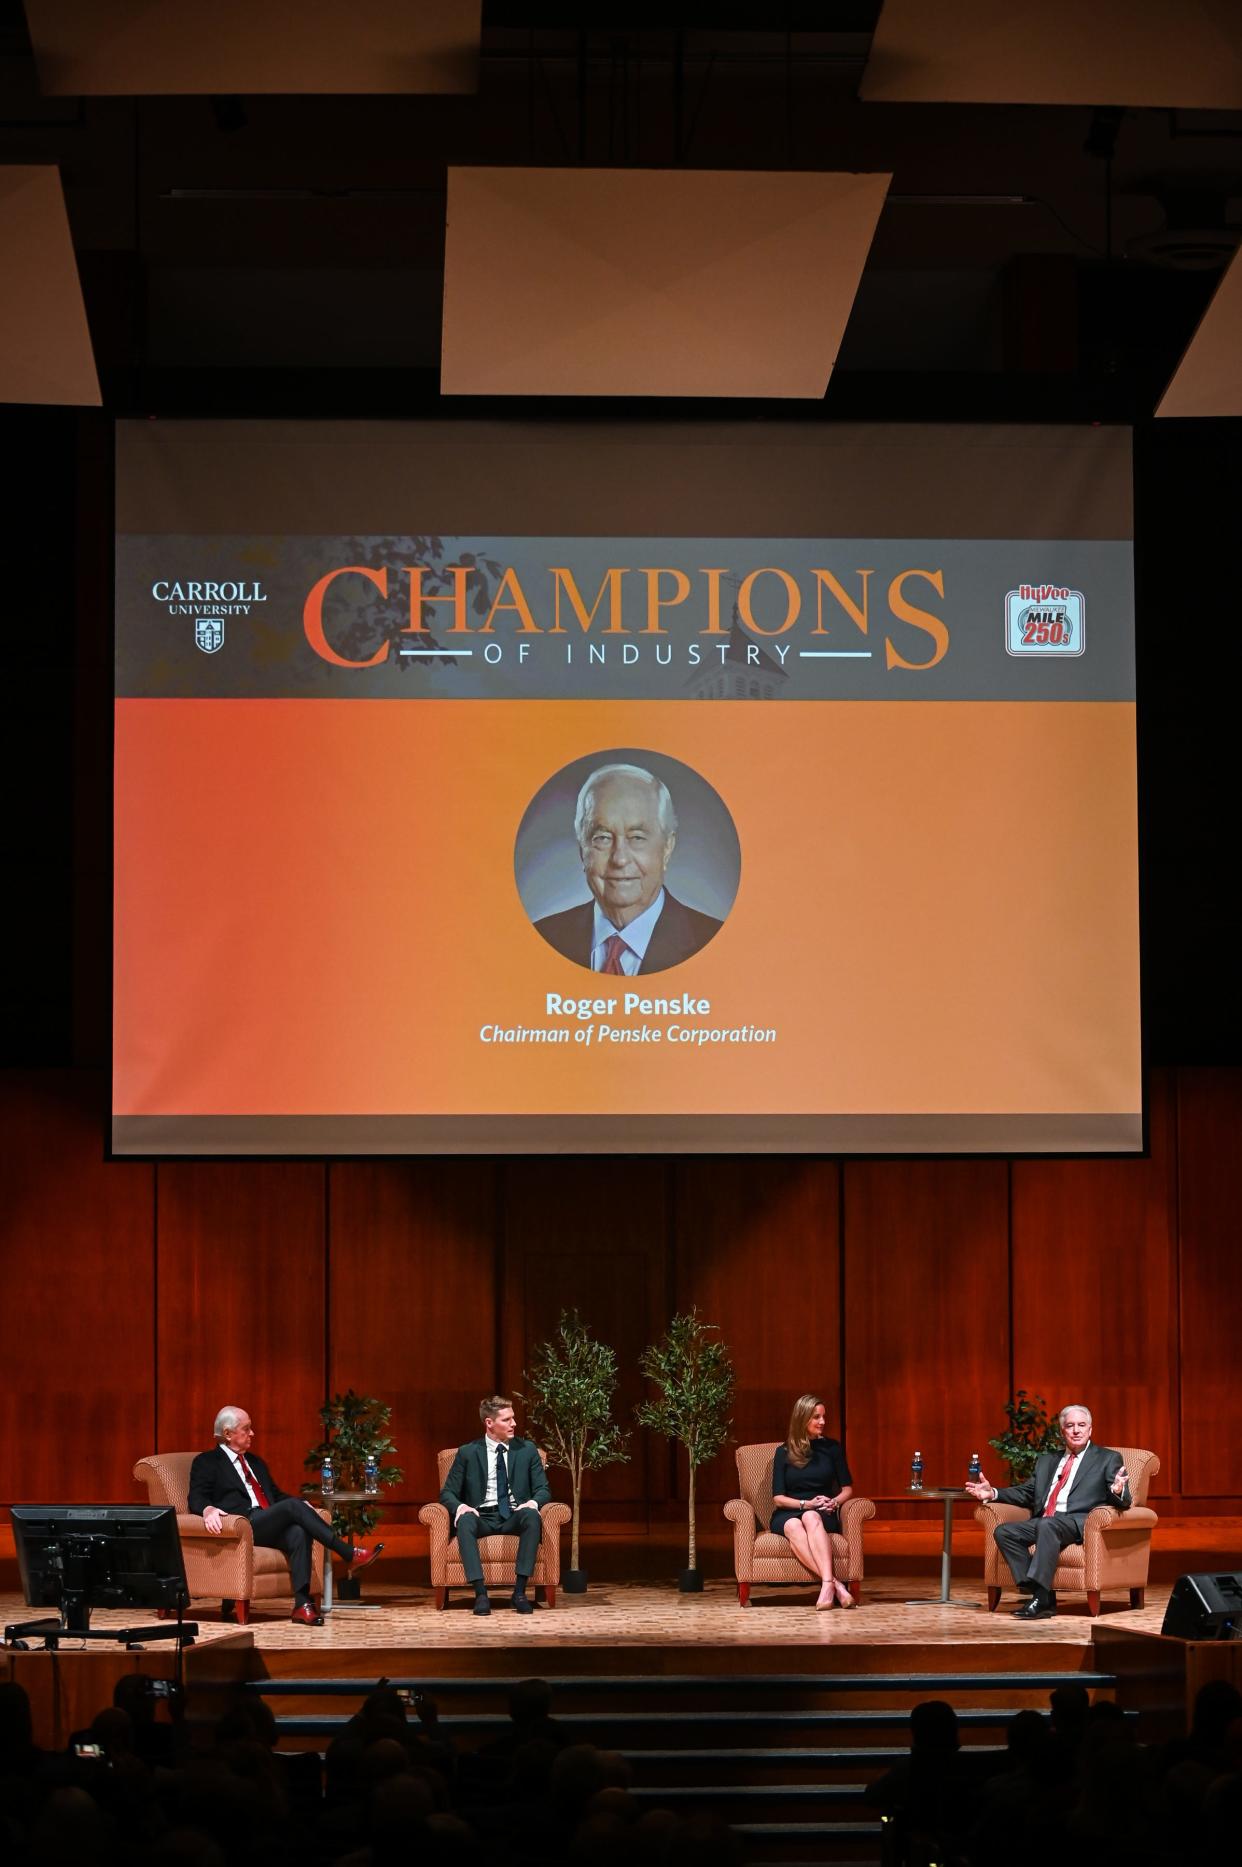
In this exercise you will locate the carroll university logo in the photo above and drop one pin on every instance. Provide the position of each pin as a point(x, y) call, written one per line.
point(208, 601)
point(1044, 619)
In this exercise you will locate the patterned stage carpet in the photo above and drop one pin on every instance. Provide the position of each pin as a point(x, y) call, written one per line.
point(646, 1614)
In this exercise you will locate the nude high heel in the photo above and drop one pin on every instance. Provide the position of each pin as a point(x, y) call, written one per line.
point(843, 1595)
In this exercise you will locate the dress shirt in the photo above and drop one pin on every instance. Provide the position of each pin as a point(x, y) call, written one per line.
point(1075, 1460)
point(490, 1496)
point(636, 936)
point(237, 1465)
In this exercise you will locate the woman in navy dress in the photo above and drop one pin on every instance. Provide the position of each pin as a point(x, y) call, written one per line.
point(810, 1481)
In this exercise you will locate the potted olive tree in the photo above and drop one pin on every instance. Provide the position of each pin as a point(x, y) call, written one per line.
point(355, 1434)
point(692, 1373)
point(569, 1412)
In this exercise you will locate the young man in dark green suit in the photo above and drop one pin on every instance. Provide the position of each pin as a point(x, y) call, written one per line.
point(495, 1488)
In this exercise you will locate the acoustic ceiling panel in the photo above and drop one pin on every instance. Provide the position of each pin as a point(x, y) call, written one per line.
point(1208, 380)
point(45, 346)
point(1163, 53)
point(250, 47)
point(649, 282)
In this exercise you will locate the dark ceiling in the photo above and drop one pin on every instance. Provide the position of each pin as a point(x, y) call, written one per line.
point(1029, 260)
point(285, 254)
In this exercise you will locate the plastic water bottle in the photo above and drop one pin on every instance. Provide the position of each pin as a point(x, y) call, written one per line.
point(916, 1472)
point(327, 1477)
point(370, 1476)
point(976, 1470)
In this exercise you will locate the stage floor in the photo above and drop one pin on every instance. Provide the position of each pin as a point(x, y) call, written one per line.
point(645, 1614)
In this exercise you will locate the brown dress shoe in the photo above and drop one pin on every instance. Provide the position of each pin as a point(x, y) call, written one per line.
point(307, 1615)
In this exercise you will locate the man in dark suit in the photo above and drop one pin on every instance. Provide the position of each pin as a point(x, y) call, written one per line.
point(626, 829)
point(233, 1481)
point(495, 1487)
point(1060, 1494)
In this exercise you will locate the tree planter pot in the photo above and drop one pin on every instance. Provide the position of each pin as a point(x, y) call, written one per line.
point(574, 1581)
point(349, 1588)
point(690, 1582)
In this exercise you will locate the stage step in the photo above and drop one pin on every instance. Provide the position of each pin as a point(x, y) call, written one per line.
point(931, 1684)
point(773, 1767)
point(777, 1727)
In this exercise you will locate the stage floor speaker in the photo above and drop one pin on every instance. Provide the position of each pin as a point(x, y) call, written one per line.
point(1205, 1607)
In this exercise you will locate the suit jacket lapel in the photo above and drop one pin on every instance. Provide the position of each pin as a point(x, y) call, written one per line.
point(1090, 1468)
point(480, 1453)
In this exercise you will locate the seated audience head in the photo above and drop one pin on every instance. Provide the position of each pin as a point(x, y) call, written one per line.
point(1026, 1736)
point(1069, 1705)
point(933, 1728)
point(577, 1775)
point(113, 1730)
point(1217, 1704)
point(16, 1725)
point(384, 1702)
point(530, 1701)
point(385, 1757)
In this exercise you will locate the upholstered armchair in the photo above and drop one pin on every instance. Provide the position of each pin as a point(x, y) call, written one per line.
point(1115, 1550)
point(497, 1552)
point(759, 1556)
point(227, 1566)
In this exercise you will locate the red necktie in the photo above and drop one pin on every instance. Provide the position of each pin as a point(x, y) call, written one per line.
point(1051, 1506)
point(614, 947)
point(255, 1486)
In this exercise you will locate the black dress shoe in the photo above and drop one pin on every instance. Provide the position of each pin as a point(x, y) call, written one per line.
point(521, 1604)
point(482, 1605)
point(1037, 1610)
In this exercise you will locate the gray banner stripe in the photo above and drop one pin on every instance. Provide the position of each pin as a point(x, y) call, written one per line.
point(632, 1134)
point(487, 617)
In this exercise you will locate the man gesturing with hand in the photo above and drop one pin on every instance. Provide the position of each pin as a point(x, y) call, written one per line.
point(1060, 1494)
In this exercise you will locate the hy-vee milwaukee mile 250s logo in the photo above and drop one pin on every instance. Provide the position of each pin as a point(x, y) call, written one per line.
point(208, 601)
point(1044, 619)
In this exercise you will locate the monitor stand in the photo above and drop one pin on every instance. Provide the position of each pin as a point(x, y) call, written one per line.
point(75, 1624)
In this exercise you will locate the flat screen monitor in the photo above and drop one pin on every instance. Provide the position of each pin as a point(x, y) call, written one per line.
point(82, 1556)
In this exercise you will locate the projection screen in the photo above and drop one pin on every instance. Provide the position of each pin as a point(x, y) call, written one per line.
point(873, 838)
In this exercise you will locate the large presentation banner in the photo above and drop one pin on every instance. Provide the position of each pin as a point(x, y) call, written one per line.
point(415, 724)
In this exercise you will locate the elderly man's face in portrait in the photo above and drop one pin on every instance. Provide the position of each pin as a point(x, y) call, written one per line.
point(624, 850)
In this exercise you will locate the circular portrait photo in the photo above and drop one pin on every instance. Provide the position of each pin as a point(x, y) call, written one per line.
point(627, 862)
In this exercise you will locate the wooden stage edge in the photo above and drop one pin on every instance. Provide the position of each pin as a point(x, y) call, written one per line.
point(648, 1630)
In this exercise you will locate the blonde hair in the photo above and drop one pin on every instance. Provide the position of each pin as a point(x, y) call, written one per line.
point(494, 1404)
point(798, 1439)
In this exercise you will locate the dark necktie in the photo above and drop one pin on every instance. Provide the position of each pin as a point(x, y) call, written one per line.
point(614, 947)
point(255, 1486)
point(1051, 1506)
point(504, 1502)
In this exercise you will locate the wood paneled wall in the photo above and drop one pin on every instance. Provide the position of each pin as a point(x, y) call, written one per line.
point(911, 1294)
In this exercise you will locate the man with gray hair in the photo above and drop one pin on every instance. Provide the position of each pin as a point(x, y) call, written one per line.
point(1060, 1494)
point(233, 1481)
point(626, 830)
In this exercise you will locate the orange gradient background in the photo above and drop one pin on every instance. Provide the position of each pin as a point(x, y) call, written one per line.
point(316, 911)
